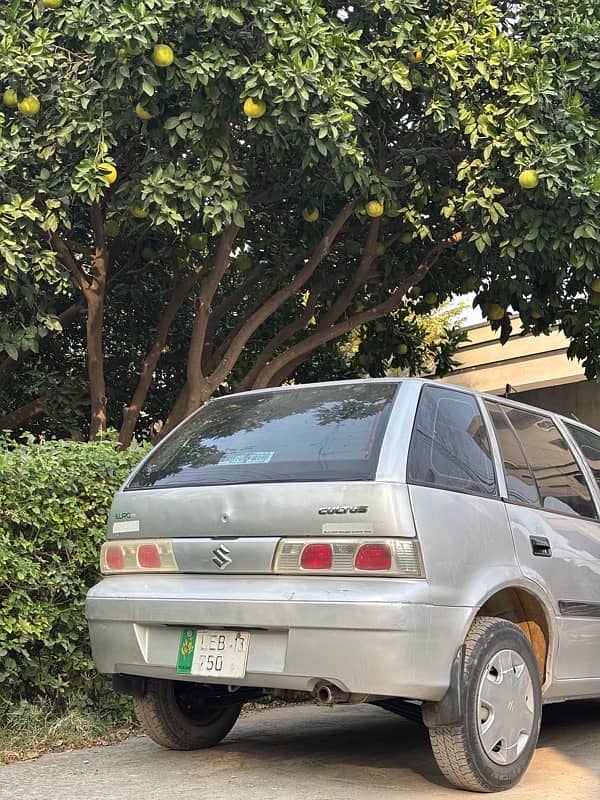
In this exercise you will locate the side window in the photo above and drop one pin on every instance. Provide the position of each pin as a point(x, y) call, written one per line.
point(450, 448)
point(519, 478)
point(560, 482)
point(589, 444)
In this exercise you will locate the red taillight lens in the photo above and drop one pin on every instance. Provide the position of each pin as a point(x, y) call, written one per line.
point(373, 557)
point(149, 556)
point(114, 557)
point(317, 556)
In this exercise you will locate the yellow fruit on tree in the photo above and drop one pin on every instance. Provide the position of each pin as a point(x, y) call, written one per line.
point(529, 179)
point(52, 3)
point(139, 212)
point(401, 349)
point(374, 208)
point(108, 171)
point(380, 249)
point(197, 241)
point(310, 214)
point(416, 57)
point(112, 228)
point(414, 292)
point(595, 298)
point(430, 298)
point(30, 106)
point(495, 311)
point(406, 238)
point(595, 285)
point(142, 113)
point(9, 98)
point(162, 55)
point(254, 108)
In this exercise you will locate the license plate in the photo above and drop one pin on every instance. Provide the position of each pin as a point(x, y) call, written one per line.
point(221, 654)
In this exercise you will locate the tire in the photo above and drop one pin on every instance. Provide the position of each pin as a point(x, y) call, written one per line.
point(177, 715)
point(489, 750)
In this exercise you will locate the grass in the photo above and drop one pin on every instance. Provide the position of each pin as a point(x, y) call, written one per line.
point(29, 730)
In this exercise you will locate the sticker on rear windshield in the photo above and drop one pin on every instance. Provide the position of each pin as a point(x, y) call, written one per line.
point(246, 458)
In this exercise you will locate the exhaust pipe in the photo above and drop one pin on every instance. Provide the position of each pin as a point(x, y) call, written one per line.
point(326, 694)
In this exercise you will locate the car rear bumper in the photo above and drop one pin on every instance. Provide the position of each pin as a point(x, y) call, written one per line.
point(368, 636)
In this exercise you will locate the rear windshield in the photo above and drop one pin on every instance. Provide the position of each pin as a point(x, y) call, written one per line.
point(328, 433)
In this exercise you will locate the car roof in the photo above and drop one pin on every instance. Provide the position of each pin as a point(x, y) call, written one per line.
point(429, 381)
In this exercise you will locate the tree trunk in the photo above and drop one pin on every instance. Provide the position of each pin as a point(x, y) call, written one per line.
point(131, 412)
point(95, 358)
point(21, 415)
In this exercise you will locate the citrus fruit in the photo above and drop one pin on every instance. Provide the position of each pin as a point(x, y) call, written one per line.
point(52, 3)
point(406, 238)
point(416, 57)
point(149, 254)
point(470, 283)
point(197, 241)
point(529, 179)
point(430, 298)
point(595, 298)
point(254, 108)
point(139, 212)
point(162, 55)
point(310, 214)
point(122, 53)
point(9, 98)
point(112, 228)
point(108, 171)
point(414, 292)
point(595, 285)
point(374, 208)
point(495, 311)
point(401, 349)
point(380, 249)
point(142, 113)
point(243, 262)
point(30, 106)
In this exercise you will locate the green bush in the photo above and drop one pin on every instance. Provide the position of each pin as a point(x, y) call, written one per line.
point(54, 501)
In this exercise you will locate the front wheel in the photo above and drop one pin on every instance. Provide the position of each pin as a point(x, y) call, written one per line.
point(490, 748)
point(180, 715)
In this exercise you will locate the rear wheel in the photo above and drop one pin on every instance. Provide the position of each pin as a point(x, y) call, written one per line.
point(490, 748)
point(180, 715)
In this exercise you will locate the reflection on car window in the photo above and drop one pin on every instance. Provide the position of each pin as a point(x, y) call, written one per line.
point(519, 478)
point(311, 433)
point(561, 484)
point(589, 444)
point(450, 447)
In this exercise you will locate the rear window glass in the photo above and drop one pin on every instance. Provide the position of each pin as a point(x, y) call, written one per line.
point(450, 448)
point(323, 433)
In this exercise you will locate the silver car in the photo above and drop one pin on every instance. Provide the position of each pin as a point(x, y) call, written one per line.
point(397, 542)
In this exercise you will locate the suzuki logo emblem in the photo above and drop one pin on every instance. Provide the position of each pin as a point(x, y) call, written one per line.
point(221, 557)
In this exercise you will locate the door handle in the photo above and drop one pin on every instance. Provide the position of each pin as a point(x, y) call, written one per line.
point(540, 546)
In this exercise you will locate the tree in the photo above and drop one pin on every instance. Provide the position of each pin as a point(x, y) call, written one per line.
point(253, 181)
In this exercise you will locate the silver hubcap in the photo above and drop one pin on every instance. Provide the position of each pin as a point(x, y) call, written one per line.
point(505, 707)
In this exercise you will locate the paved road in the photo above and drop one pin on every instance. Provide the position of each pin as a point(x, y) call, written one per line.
point(307, 753)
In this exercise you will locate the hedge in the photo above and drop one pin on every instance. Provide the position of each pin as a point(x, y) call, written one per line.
point(54, 501)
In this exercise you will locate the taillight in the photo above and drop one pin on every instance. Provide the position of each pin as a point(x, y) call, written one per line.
point(373, 557)
point(148, 556)
point(318, 555)
point(393, 558)
point(114, 557)
point(138, 556)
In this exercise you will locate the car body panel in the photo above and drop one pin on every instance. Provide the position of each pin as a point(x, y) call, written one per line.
point(379, 636)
